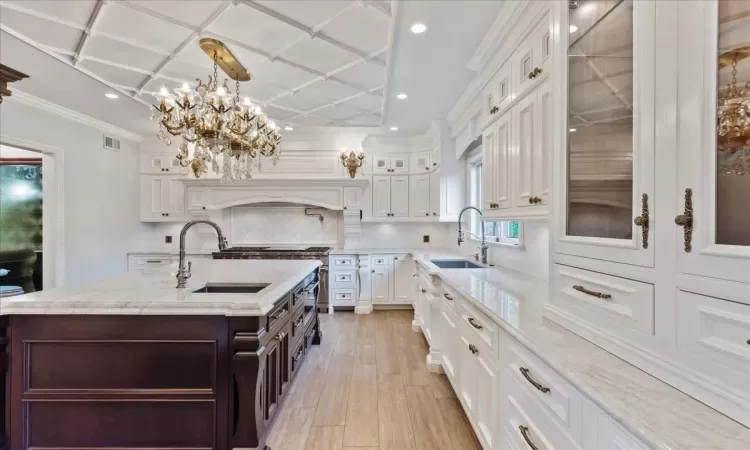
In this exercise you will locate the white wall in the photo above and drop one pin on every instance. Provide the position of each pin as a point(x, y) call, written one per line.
point(101, 189)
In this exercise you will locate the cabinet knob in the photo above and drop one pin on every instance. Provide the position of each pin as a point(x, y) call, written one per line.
point(426, 214)
point(424, 291)
point(531, 200)
point(204, 207)
point(473, 348)
point(373, 270)
point(434, 164)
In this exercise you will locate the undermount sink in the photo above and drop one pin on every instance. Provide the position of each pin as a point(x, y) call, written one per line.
point(455, 264)
point(232, 288)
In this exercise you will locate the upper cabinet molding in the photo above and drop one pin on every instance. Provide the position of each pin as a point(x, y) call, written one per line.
point(514, 22)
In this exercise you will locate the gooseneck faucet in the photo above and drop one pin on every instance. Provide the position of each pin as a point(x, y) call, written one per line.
point(182, 273)
point(484, 245)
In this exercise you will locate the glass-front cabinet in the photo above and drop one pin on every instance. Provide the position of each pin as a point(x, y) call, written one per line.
point(608, 177)
point(713, 140)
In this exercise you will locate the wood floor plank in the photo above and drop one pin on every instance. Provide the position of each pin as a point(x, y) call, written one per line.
point(362, 412)
point(441, 386)
point(325, 438)
point(332, 405)
point(291, 429)
point(458, 426)
point(413, 365)
point(395, 430)
point(429, 428)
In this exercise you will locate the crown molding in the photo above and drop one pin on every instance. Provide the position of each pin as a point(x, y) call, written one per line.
point(54, 108)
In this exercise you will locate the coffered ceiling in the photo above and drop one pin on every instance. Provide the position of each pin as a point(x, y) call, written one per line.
point(313, 62)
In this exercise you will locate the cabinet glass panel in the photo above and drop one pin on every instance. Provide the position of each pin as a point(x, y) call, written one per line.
point(600, 119)
point(733, 125)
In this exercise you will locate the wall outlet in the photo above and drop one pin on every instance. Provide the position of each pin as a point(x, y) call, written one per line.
point(168, 239)
point(426, 238)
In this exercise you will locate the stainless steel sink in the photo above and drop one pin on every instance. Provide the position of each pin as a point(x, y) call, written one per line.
point(232, 288)
point(455, 264)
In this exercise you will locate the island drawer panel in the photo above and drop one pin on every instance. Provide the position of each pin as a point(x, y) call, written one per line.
point(122, 366)
point(120, 424)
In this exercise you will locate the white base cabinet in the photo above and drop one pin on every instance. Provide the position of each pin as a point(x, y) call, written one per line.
point(363, 281)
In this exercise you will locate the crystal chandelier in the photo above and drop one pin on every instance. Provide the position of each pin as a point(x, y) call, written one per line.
point(733, 119)
point(225, 133)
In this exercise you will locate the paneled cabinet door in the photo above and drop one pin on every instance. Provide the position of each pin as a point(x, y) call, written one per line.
point(381, 196)
point(175, 198)
point(400, 163)
point(420, 162)
point(713, 179)
point(486, 412)
point(543, 145)
point(381, 279)
point(161, 163)
point(152, 198)
point(489, 167)
point(449, 343)
point(467, 387)
point(419, 195)
point(403, 283)
point(436, 197)
point(400, 196)
point(531, 62)
point(525, 135)
point(604, 155)
point(381, 164)
point(503, 176)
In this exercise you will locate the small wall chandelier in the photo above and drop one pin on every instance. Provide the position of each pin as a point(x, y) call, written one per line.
point(352, 161)
point(733, 119)
point(226, 133)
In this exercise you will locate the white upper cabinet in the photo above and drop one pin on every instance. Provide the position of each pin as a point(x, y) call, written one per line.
point(525, 133)
point(531, 61)
point(496, 157)
point(419, 195)
point(604, 166)
point(381, 164)
point(162, 198)
point(161, 163)
point(400, 196)
point(497, 95)
point(420, 162)
point(390, 164)
point(381, 196)
point(437, 195)
point(712, 199)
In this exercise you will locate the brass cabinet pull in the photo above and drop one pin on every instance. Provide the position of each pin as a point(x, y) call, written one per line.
point(537, 71)
point(525, 372)
point(298, 355)
point(298, 323)
point(531, 75)
point(531, 200)
point(473, 348)
point(448, 296)
point(525, 434)
point(580, 288)
point(685, 220)
point(474, 324)
point(643, 220)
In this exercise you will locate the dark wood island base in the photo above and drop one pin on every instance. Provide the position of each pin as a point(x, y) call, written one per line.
point(151, 382)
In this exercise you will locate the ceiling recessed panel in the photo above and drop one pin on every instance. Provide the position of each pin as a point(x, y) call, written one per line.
point(280, 74)
point(368, 75)
point(312, 121)
point(254, 28)
point(365, 29)
point(337, 112)
point(371, 120)
point(366, 102)
point(192, 12)
point(277, 114)
point(308, 13)
point(319, 55)
point(142, 28)
point(41, 31)
point(114, 75)
point(122, 53)
point(317, 94)
point(77, 12)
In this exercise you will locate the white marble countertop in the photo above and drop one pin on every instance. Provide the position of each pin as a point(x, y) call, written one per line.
point(658, 414)
point(387, 251)
point(153, 292)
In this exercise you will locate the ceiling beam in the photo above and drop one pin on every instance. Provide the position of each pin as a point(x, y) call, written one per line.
point(93, 19)
point(393, 35)
point(378, 5)
point(40, 15)
point(196, 33)
point(313, 33)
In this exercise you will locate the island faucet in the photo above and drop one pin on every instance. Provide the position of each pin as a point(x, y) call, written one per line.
point(484, 247)
point(182, 273)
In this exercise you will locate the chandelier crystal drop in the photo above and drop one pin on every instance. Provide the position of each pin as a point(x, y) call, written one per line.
point(733, 121)
point(226, 134)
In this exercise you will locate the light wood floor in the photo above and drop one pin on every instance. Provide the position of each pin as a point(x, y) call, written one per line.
point(366, 387)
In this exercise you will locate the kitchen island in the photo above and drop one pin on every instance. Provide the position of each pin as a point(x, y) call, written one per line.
point(132, 362)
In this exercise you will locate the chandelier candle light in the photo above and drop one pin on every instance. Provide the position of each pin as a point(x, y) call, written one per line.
point(226, 133)
point(352, 161)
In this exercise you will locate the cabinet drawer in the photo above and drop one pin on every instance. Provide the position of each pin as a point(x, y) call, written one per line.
point(296, 356)
point(528, 427)
point(298, 324)
point(605, 301)
point(479, 324)
point(344, 297)
point(344, 279)
point(452, 299)
point(715, 331)
point(343, 262)
point(379, 261)
point(560, 400)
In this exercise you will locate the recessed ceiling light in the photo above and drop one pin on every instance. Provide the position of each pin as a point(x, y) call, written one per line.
point(402, 96)
point(572, 130)
point(418, 28)
point(289, 128)
point(573, 29)
point(111, 95)
point(394, 128)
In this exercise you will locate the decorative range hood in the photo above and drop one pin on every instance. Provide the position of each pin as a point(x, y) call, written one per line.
point(332, 193)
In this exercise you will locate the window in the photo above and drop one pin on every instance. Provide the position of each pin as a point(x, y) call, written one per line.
point(507, 232)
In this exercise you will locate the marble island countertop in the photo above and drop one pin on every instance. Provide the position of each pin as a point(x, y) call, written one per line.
point(153, 292)
point(658, 414)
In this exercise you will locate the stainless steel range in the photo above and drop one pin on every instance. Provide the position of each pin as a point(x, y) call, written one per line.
point(320, 253)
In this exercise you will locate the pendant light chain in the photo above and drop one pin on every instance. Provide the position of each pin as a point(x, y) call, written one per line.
point(216, 73)
point(237, 98)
